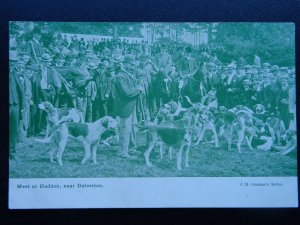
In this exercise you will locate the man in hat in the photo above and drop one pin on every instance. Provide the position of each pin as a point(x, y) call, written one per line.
point(91, 87)
point(100, 103)
point(144, 75)
point(266, 67)
point(188, 64)
point(126, 91)
point(34, 47)
point(282, 99)
point(211, 78)
point(163, 60)
point(25, 56)
point(46, 87)
point(15, 101)
point(59, 60)
point(292, 99)
point(222, 94)
point(247, 93)
point(268, 99)
point(26, 82)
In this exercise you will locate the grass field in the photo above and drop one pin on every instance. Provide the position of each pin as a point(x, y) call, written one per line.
point(205, 161)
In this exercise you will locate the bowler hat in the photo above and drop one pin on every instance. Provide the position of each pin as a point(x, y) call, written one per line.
point(33, 67)
point(246, 81)
point(275, 68)
point(46, 57)
point(129, 59)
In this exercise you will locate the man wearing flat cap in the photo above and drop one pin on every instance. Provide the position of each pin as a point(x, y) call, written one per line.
point(126, 91)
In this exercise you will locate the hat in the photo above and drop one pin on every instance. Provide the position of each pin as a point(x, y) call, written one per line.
point(282, 77)
point(80, 56)
point(23, 53)
point(33, 67)
point(163, 46)
point(247, 67)
point(36, 30)
point(261, 72)
point(284, 69)
point(143, 58)
point(246, 81)
point(92, 67)
point(188, 49)
point(46, 57)
point(211, 64)
point(58, 57)
point(13, 55)
point(102, 65)
point(222, 108)
point(274, 68)
point(130, 59)
point(211, 93)
point(111, 68)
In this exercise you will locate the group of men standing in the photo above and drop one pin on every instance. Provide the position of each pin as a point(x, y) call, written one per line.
point(115, 79)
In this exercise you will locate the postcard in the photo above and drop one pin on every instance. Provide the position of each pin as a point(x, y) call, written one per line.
point(152, 115)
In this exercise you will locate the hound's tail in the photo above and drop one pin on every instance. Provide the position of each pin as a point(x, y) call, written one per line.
point(44, 140)
point(142, 127)
point(189, 100)
point(49, 138)
point(145, 127)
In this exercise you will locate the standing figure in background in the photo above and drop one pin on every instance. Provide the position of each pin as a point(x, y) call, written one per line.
point(15, 101)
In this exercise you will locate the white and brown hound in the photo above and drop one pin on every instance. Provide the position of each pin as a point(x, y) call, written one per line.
point(87, 133)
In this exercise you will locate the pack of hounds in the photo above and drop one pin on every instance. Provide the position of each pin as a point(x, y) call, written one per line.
point(175, 128)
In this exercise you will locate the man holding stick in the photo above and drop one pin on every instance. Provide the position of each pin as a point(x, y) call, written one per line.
point(127, 91)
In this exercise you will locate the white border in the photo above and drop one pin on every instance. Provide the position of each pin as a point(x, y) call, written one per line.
point(155, 192)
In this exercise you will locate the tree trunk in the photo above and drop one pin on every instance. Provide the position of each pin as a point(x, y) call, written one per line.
point(115, 32)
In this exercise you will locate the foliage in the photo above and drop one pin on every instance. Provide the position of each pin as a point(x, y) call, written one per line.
point(272, 42)
point(105, 28)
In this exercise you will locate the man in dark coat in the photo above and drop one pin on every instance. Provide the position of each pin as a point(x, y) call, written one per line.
point(163, 60)
point(103, 82)
point(126, 92)
point(46, 87)
point(34, 47)
point(188, 64)
point(15, 102)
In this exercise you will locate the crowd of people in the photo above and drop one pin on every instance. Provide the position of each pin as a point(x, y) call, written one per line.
point(115, 78)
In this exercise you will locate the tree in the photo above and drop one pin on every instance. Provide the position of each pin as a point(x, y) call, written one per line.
point(273, 42)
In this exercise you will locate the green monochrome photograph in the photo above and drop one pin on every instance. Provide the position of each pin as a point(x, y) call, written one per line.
point(126, 100)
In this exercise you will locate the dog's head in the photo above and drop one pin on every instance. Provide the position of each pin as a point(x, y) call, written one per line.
point(222, 109)
point(290, 134)
point(47, 106)
point(109, 123)
point(188, 135)
point(273, 121)
point(260, 126)
point(259, 109)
